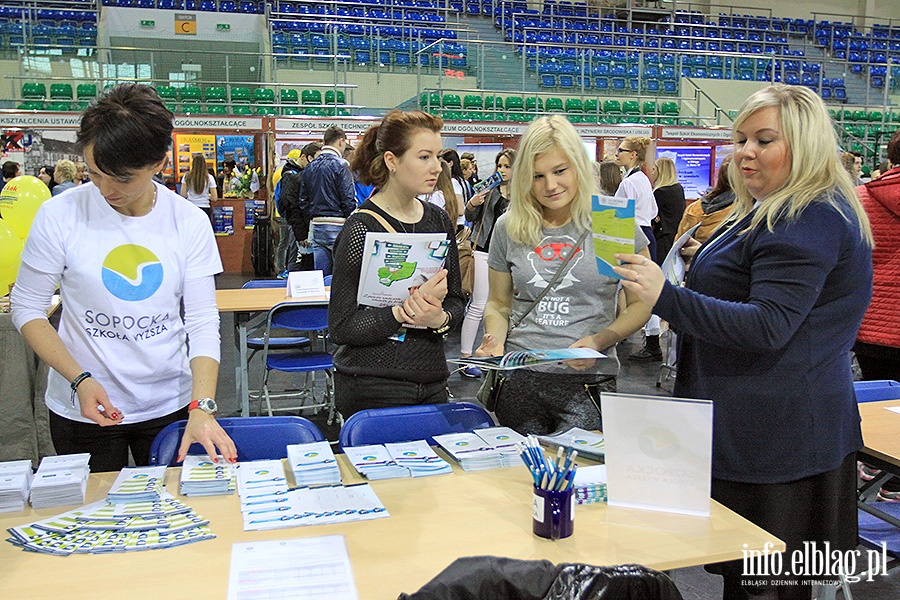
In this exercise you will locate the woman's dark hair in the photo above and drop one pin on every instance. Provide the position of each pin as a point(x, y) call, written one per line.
point(893, 149)
point(452, 157)
point(510, 155)
point(393, 135)
point(128, 127)
point(723, 184)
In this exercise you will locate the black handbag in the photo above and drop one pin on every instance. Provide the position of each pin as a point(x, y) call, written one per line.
point(489, 392)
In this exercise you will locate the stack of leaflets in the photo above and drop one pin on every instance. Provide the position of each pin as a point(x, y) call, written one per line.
point(482, 448)
point(137, 484)
point(520, 359)
point(267, 503)
point(60, 480)
point(375, 462)
point(590, 484)
point(313, 464)
point(200, 476)
point(419, 458)
point(100, 528)
point(588, 443)
point(15, 482)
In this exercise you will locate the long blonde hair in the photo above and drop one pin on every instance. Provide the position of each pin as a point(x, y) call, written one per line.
point(816, 172)
point(525, 219)
point(666, 174)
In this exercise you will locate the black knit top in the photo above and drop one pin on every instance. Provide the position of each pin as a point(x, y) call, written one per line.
point(363, 333)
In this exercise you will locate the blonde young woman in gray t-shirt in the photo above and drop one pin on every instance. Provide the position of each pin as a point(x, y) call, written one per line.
point(550, 208)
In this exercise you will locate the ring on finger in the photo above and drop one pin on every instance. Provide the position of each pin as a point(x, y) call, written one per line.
point(412, 314)
point(637, 277)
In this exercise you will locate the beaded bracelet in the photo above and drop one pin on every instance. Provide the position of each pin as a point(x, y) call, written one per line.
point(76, 382)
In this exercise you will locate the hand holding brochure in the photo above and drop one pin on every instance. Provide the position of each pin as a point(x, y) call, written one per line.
point(489, 183)
point(395, 262)
point(520, 359)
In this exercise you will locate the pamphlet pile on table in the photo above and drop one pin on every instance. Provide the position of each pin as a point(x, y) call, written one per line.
point(200, 476)
point(60, 480)
point(590, 484)
point(268, 503)
point(15, 483)
point(405, 459)
point(588, 443)
point(313, 464)
point(137, 484)
point(101, 527)
point(483, 448)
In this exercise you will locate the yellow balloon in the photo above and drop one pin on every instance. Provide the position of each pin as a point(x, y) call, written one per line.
point(20, 200)
point(10, 256)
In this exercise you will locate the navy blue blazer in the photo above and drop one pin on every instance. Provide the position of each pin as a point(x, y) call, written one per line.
point(765, 326)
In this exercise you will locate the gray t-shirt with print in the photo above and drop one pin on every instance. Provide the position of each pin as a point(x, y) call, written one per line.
point(582, 302)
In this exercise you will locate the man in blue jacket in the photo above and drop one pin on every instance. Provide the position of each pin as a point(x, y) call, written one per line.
point(327, 196)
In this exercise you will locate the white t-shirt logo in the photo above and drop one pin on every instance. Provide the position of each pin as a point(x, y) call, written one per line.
point(132, 273)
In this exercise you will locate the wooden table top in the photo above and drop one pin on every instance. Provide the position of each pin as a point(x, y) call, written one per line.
point(881, 430)
point(257, 299)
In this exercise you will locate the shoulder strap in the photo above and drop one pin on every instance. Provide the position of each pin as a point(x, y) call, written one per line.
point(556, 276)
point(384, 223)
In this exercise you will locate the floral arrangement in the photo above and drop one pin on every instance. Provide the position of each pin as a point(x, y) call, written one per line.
point(243, 184)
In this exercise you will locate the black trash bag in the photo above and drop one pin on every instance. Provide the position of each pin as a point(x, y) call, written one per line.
point(620, 582)
point(489, 577)
point(494, 578)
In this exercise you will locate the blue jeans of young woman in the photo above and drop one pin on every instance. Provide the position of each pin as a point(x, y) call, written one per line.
point(323, 236)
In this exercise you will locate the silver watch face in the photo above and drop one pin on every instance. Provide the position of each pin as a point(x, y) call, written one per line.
point(208, 405)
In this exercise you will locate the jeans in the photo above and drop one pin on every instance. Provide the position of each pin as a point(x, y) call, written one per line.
point(323, 236)
point(286, 254)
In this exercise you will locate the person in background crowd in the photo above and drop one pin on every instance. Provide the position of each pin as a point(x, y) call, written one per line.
point(608, 176)
point(223, 182)
point(483, 210)
point(45, 174)
point(136, 253)
point(11, 170)
point(292, 223)
point(468, 170)
point(852, 162)
point(379, 360)
point(670, 201)
point(766, 322)
point(80, 176)
point(709, 211)
point(462, 187)
point(549, 212)
point(631, 155)
point(472, 177)
point(883, 167)
point(327, 197)
point(64, 176)
point(443, 189)
point(198, 186)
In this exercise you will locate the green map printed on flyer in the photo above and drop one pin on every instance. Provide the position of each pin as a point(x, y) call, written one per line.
point(612, 222)
point(395, 262)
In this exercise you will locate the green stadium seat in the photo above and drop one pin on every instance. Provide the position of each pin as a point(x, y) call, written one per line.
point(311, 97)
point(669, 109)
point(58, 106)
point(314, 111)
point(666, 121)
point(264, 96)
point(241, 109)
point(60, 91)
point(172, 107)
point(492, 102)
point(31, 105)
point(631, 107)
point(873, 116)
point(216, 94)
point(80, 105)
point(533, 104)
point(190, 93)
point(34, 91)
point(860, 115)
point(430, 101)
point(266, 109)
point(167, 93)
point(451, 101)
point(86, 91)
point(612, 107)
point(216, 109)
point(291, 110)
point(473, 101)
point(331, 94)
point(240, 95)
point(555, 105)
point(591, 105)
point(192, 107)
point(289, 96)
point(650, 107)
point(574, 105)
point(514, 103)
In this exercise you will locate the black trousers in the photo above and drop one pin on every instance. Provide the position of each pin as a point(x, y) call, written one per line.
point(109, 446)
point(353, 393)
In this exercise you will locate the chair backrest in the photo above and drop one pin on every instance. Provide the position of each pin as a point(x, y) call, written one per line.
point(264, 283)
point(874, 391)
point(296, 316)
point(409, 423)
point(256, 438)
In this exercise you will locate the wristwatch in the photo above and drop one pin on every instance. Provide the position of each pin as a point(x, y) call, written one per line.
point(207, 405)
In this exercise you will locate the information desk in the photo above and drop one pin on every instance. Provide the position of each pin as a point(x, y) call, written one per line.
point(245, 303)
point(433, 521)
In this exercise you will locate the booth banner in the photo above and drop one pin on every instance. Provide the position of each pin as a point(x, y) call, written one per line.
point(693, 165)
point(695, 133)
point(223, 220)
point(186, 145)
point(229, 123)
point(239, 148)
point(31, 120)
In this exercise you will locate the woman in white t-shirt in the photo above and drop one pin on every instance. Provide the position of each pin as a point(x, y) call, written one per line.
point(199, 186)
point(127, 255)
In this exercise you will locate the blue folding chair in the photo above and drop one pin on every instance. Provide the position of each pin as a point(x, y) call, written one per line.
point(256, 438)
point(877, 390)
point(409, 423)
point(311, 318)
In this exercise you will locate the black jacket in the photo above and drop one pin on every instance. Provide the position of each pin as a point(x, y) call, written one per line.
point(289, 199)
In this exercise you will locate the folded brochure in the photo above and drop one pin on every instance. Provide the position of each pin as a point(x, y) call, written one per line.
point(519, 359)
